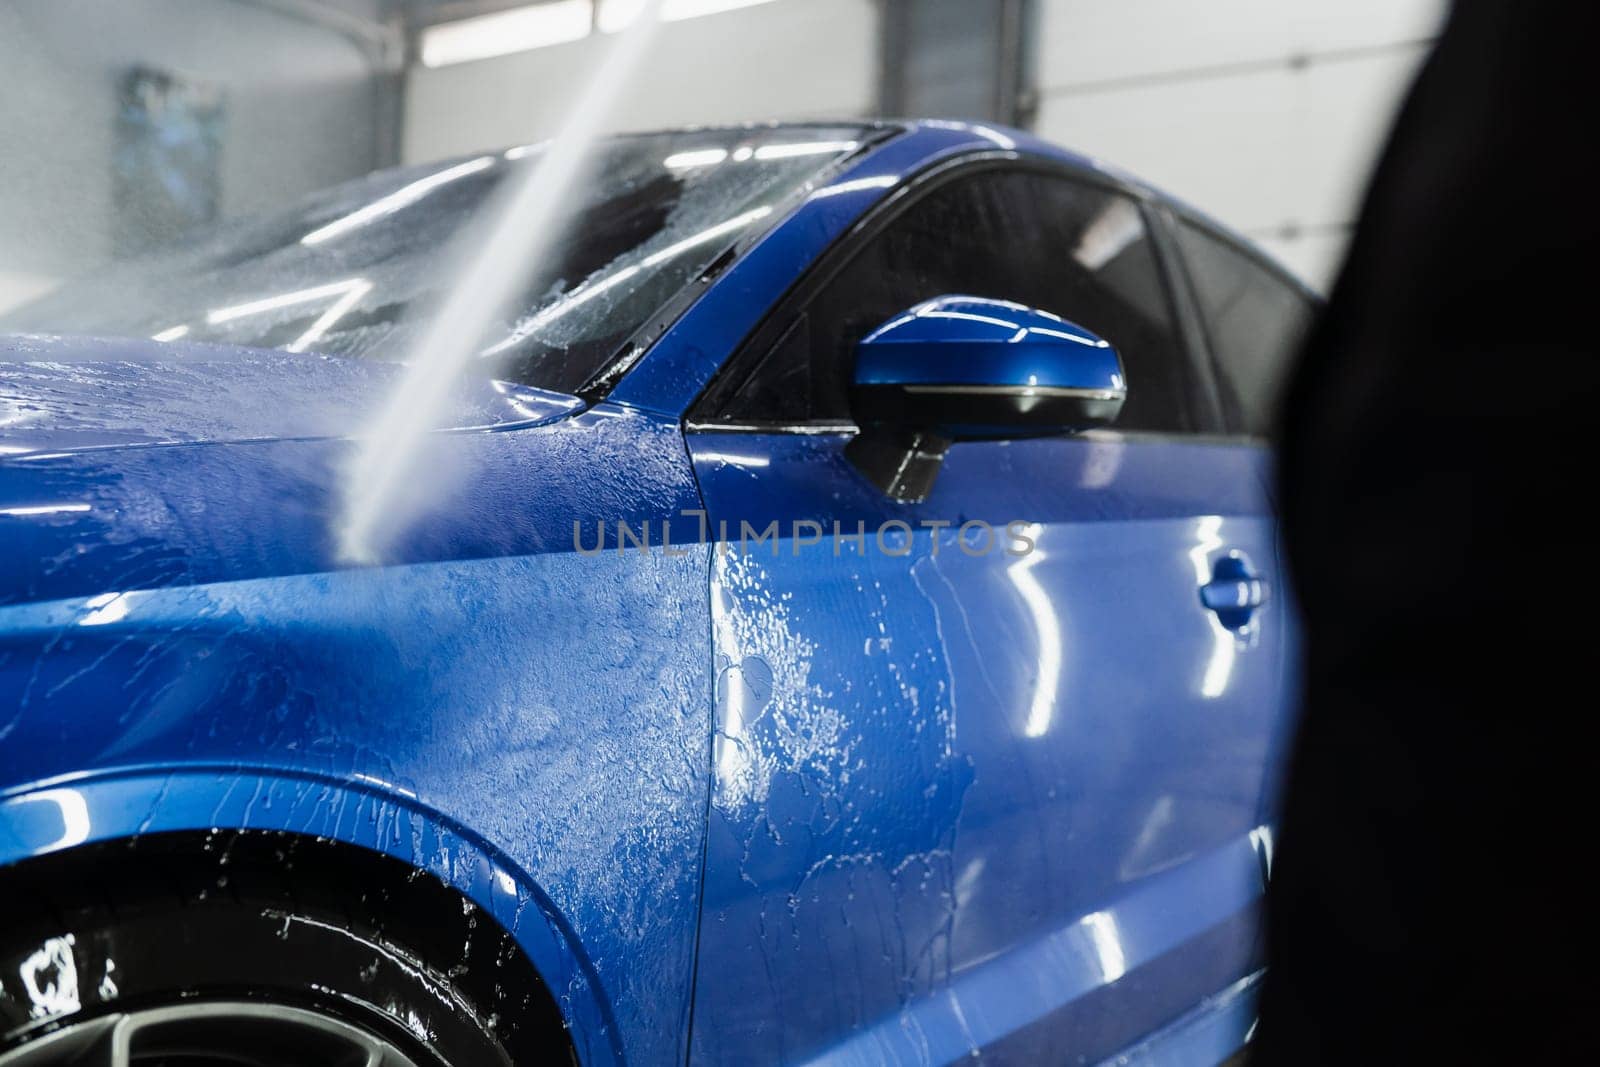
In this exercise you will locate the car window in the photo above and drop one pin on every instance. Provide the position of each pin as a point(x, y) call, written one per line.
point(1078, 250)
point(1255, 320)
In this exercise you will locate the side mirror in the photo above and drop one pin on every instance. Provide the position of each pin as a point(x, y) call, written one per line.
point(967, 367)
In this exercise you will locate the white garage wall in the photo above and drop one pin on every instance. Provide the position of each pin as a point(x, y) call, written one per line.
point(1265, 113)
point(789, 60)
point(300, 107)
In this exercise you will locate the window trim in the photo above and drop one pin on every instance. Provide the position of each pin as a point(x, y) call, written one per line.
point(836, 257)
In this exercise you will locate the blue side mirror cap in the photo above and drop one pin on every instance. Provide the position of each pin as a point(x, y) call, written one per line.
point(965, 366)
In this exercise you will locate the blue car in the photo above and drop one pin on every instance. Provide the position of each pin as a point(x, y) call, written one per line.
point(843, 623)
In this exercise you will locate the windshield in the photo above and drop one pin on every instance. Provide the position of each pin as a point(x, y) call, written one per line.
point(354, 271)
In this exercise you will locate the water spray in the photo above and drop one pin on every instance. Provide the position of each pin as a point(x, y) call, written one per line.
point(530, 220)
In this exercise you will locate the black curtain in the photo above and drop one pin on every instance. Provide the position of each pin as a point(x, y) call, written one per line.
point(1435, 880)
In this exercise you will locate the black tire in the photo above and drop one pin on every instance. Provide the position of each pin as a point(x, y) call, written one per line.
point(258, 950)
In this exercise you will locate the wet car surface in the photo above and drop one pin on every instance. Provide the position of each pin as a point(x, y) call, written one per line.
point(868, 790)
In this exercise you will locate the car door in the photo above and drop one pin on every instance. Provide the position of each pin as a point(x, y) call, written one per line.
point(987, 766)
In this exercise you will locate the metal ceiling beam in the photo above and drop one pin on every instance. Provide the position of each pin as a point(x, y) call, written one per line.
point(384, 43)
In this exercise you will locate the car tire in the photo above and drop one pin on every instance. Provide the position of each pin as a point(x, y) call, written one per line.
point(237, 954)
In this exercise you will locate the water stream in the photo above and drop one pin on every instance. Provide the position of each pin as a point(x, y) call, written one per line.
point(529, 219)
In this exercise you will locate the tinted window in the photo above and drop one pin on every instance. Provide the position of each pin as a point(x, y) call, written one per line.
point(1074, 249)
point(355, 271)
point(1255, 320)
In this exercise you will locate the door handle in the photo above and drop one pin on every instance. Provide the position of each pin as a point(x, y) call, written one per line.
point(1235, 591)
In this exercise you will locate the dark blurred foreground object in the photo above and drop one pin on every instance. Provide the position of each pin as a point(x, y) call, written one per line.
point(1434, 888)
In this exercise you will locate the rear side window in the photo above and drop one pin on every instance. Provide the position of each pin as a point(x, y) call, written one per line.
point(1255, 320)
point(1075, 249)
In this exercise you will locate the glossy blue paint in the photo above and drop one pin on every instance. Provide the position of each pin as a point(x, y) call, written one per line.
point(1207, 1035)
point(966, 340)
point(171, 608)
point(938, 768)
point(931, 800)
point(76, 394)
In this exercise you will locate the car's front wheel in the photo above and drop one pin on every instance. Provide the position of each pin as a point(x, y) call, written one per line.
point(256, 953)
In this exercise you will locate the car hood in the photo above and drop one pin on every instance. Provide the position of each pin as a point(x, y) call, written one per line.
point(128, 466)
point(61, 394)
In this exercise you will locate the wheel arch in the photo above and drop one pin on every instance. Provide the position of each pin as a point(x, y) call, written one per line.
point(369, 823)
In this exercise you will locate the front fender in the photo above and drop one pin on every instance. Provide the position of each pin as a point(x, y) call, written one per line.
point(555, 706)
